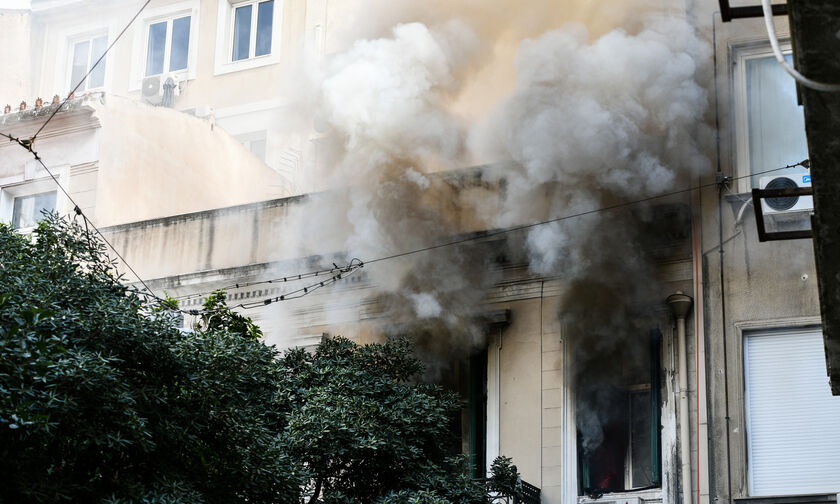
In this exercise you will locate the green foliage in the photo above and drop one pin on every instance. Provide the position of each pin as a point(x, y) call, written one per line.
point(100, 402)
point(103, 399)
point(504, 478)
point(217, 316)
point(362, 430)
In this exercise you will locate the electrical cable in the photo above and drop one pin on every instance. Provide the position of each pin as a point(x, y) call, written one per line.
point(79, 84)
point(353, 265)
point(76, 208)
point(344, 271)
point(774, 43)
point(803, 163)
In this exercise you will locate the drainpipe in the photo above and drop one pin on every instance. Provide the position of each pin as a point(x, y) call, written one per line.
point(680, 304)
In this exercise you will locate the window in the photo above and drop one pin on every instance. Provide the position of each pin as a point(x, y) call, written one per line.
point(85, 53)
point(168, 46)
point(28, 210)
point(618, 420)
point(770, 124)
point(247, 34)
point(252, 24)
point(166, 42)
point(793, 444)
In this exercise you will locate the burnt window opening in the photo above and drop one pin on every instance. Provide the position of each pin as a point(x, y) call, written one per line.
point(618, 405)
point(468, 378)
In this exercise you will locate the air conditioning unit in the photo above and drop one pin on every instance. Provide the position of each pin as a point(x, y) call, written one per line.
point(786, 204)
point(156, 88)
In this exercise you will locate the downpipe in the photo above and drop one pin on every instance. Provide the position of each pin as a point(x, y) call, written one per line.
point(680, 305)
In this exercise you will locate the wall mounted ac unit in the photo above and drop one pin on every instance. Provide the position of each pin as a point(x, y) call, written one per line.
point(786, 204)
point(153, 88)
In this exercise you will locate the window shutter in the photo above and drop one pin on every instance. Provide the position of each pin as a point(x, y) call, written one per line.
point(793, 437)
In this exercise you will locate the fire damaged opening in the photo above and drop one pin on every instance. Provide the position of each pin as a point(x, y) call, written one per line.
point(467, 377)
point(618, 404)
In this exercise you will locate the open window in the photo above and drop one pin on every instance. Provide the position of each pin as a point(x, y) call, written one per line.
point(618, 404)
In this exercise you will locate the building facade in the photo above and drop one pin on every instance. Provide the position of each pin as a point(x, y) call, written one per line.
point(688, 369)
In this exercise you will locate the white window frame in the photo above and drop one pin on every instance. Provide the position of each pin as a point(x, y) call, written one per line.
point(65, 40)
point(166, 13)
point(224, 62)
point(71, 45)
point(739, 55)
point(8, 193)
point(759, 329)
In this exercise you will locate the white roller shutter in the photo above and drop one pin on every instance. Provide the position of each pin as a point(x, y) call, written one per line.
point(793, 421)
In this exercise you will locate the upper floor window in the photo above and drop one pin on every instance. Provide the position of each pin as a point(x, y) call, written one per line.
point(770, 124)
point(252, 25)
point(28, 210)
point(247, 34)
point(168, 46)
point(84, 54)
point(166, 42)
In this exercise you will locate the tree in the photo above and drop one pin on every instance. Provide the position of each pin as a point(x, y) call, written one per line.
point(364, 431)
point(104, 399)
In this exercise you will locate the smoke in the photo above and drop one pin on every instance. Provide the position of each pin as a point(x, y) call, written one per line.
point(578, 107)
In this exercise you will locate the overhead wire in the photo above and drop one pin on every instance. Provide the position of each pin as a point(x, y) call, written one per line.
point(774, 43)
point(489, 234)
point(84, 78)
point(355, 263)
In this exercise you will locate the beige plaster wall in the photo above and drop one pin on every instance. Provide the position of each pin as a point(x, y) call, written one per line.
point(157, 162)
point(15, 81)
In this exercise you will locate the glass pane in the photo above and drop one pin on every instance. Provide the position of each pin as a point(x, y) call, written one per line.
point(776, 121)
point(80, 63)
point(242, 33)
point(265, 16)
point(97, 76)
point(180, 44)
point(27, 209)
point(157, 46)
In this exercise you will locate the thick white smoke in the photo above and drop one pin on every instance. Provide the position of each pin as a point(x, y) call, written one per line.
point(590, 122)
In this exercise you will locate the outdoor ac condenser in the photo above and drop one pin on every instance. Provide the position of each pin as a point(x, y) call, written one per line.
point(786, 204)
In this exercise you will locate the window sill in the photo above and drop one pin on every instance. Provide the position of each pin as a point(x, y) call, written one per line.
point(246, 64)
point(628, 496)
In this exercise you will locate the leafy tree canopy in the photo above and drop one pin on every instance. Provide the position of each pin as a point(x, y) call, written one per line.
point(104, 399)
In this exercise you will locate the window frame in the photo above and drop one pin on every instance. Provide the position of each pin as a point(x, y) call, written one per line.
point(167, 47)
point(71, 46)
point(784, 327)
point(168, 13)
point(740, 53)
point(224, 62)
point(10, 192)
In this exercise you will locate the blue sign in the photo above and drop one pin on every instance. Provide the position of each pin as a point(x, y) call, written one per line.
point(806, 179)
